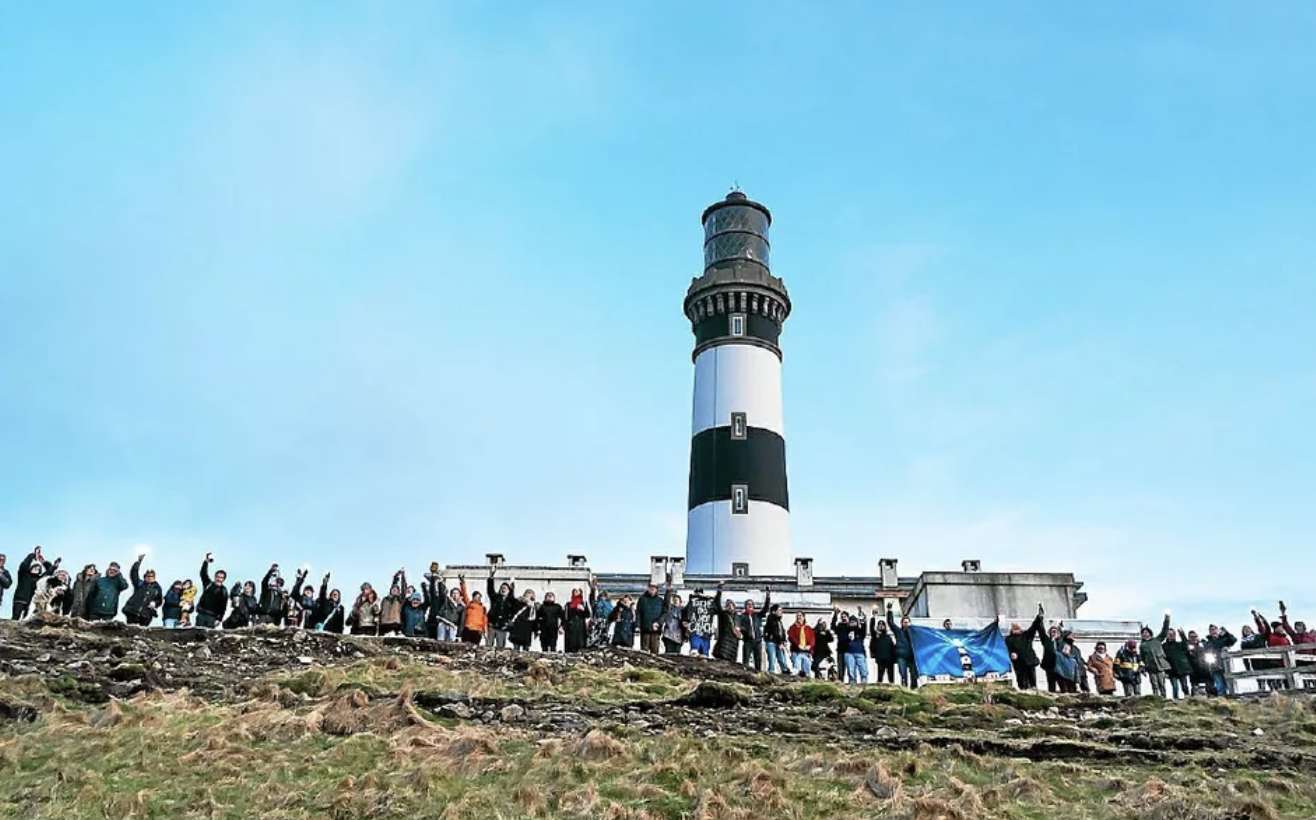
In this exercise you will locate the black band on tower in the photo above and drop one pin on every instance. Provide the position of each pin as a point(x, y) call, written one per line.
point(718, 461)
point(718, 326)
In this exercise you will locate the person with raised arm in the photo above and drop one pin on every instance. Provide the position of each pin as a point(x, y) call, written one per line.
point(267, 602)
point(500, 606)
point(1299, 634)
point(329, 613)
point(671, 621)
point(728, 628)
point(413, 614)
point(452, 612)
point(147, 595)
point(854, 650)
point(698, 619)
point(904, 648)
point(882, 646)
point(1218, 642)
point(32, 569)
point(751, 635)
point(1151, 652)
point(212, 602)
point(1181, 665)
point(1022, 655)
point(475, 625)
point(390, 608)
point(433, 600)
point(244, 606)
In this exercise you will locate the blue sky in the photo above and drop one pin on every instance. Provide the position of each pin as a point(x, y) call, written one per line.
point(370, 284)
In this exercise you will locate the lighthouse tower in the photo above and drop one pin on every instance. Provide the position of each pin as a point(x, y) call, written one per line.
point(739, 520)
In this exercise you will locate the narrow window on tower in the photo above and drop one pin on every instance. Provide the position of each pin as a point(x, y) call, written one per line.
point(739, 499)
point(737, 324)
point(738, 426)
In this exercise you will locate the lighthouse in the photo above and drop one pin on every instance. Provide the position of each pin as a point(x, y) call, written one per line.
point(738, 508)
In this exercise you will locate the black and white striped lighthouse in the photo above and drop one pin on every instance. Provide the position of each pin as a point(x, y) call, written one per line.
point(739, 520)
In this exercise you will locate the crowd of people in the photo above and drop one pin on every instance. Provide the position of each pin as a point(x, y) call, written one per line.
point(836, 648)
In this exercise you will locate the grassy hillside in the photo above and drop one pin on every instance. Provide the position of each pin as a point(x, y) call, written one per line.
point(384, 729)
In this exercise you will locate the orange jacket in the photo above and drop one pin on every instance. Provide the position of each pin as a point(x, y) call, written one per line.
point(477, 618)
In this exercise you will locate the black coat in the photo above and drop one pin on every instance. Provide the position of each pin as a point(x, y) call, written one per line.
point(245, 608)
point(146, 598)
point(549, 620)
point(501, 607)
point(822, 642)
point(328, 615)
point(29, 572)
point(271, 595)
point(1176, 652)
point(728, 632)
point(881, 643)
point(213, 598)
point(1021, 645)
point(521, 625)
point(577, 626)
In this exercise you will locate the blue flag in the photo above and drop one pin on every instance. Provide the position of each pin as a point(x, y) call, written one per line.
point(954, 655)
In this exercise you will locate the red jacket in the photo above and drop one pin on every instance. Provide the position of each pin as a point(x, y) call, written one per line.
point(1298, 637)
point(800, 637)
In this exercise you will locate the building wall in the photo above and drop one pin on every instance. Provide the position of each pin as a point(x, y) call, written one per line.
point(1012, 595)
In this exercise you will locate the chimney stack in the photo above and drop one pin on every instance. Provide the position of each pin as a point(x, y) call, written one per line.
point(658, 570)
point(890, 580)
point(804, 572)
point(676, 566)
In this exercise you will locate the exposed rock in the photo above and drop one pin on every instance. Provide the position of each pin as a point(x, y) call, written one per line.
point(511, 713)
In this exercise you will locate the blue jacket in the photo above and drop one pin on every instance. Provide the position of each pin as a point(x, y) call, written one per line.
point(1066, 665)
point(849, 639)
point(173, 605)
point(413, 620)
point(624, 634)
